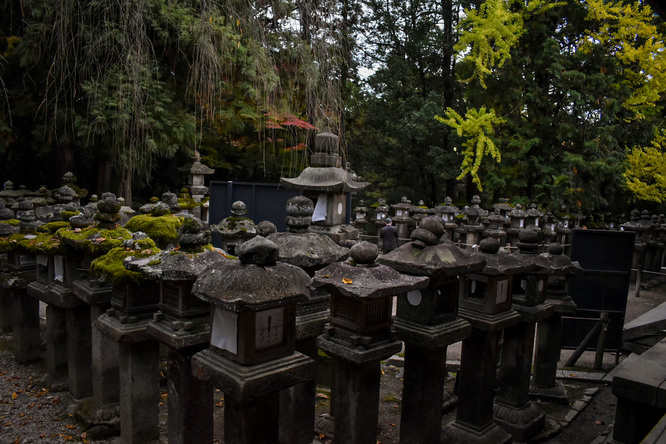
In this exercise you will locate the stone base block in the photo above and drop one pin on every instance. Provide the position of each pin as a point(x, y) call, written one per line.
point(247, 382)
point(521, 422)
point(457, 432)
point(555, 393)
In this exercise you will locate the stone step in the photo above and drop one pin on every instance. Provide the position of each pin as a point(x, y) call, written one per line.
point(650, 323)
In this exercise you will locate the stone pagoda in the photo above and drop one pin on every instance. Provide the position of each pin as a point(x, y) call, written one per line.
point(327, 184)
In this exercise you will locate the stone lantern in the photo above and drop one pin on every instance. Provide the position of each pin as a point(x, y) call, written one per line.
point(251, 355)
point(495, 227)
point(549, 330)
point(402, 217)
point(533, 218)
point(236, 228)
point(473, 227)
point(448, 213)
point(328, 184)
point(381, 213)
point(513, 410)
point(359, 336)
point(485, 302)
point(517, 216)
point(25, 309)
point(361, 216)
point(427, 321)
point(196, 174)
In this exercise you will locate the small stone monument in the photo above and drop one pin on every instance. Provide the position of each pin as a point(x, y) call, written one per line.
point(236, 228)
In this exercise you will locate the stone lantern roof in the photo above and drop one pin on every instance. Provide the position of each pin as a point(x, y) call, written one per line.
point(325, 173)
point(363, 278)
point(427, 255)
point(300, 247)
point(498, 263)
point(255, 281)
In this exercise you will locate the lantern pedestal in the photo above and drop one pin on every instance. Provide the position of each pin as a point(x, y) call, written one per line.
point(5, 310)
point(424, 375)
point(251, 392)
point(190, 400)
point(104, 410)
point(297, 403)
point(474, 419)
point(513, 410)
point(25, 309)
point(547, 354)
point(356, 390)
point(56, 347)
point(138, 376)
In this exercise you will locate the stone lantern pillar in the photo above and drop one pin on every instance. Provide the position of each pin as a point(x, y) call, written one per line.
point(563, 231)
point(549, 330)
point(402, 217)
point(504, 208)
point(236, 228)
point(327, 184)
point(427, 322)
point(448, 213)
point(251, 355)
point(358, 336)
point(310, 252)
point(183, 325)
point(485, 302)
point(513, 410)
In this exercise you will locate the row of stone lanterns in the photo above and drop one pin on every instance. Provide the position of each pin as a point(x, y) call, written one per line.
point(254, 331)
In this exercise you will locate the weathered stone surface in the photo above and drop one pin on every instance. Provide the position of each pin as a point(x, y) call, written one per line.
point(234, 285)
point(443, 259)
point(365, 280)
point(247, 382)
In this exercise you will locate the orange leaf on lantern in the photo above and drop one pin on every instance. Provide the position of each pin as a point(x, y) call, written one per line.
point(346, 281)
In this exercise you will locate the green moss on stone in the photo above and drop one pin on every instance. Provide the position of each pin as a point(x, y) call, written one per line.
point(112, 268)
point(66, 215)
point(10, 243)
point(95, 240)
point(52, 227)
point(45, 243)
point(12, 222)
point(162, 229)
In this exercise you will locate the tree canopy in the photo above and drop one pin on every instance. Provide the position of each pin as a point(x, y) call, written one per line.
point(557, 103)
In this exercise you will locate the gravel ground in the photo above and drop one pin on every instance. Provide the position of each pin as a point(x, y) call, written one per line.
point(30, 413)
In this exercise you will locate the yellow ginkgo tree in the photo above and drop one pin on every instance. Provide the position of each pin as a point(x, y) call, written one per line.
point(476, 129)
point(646, 170)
